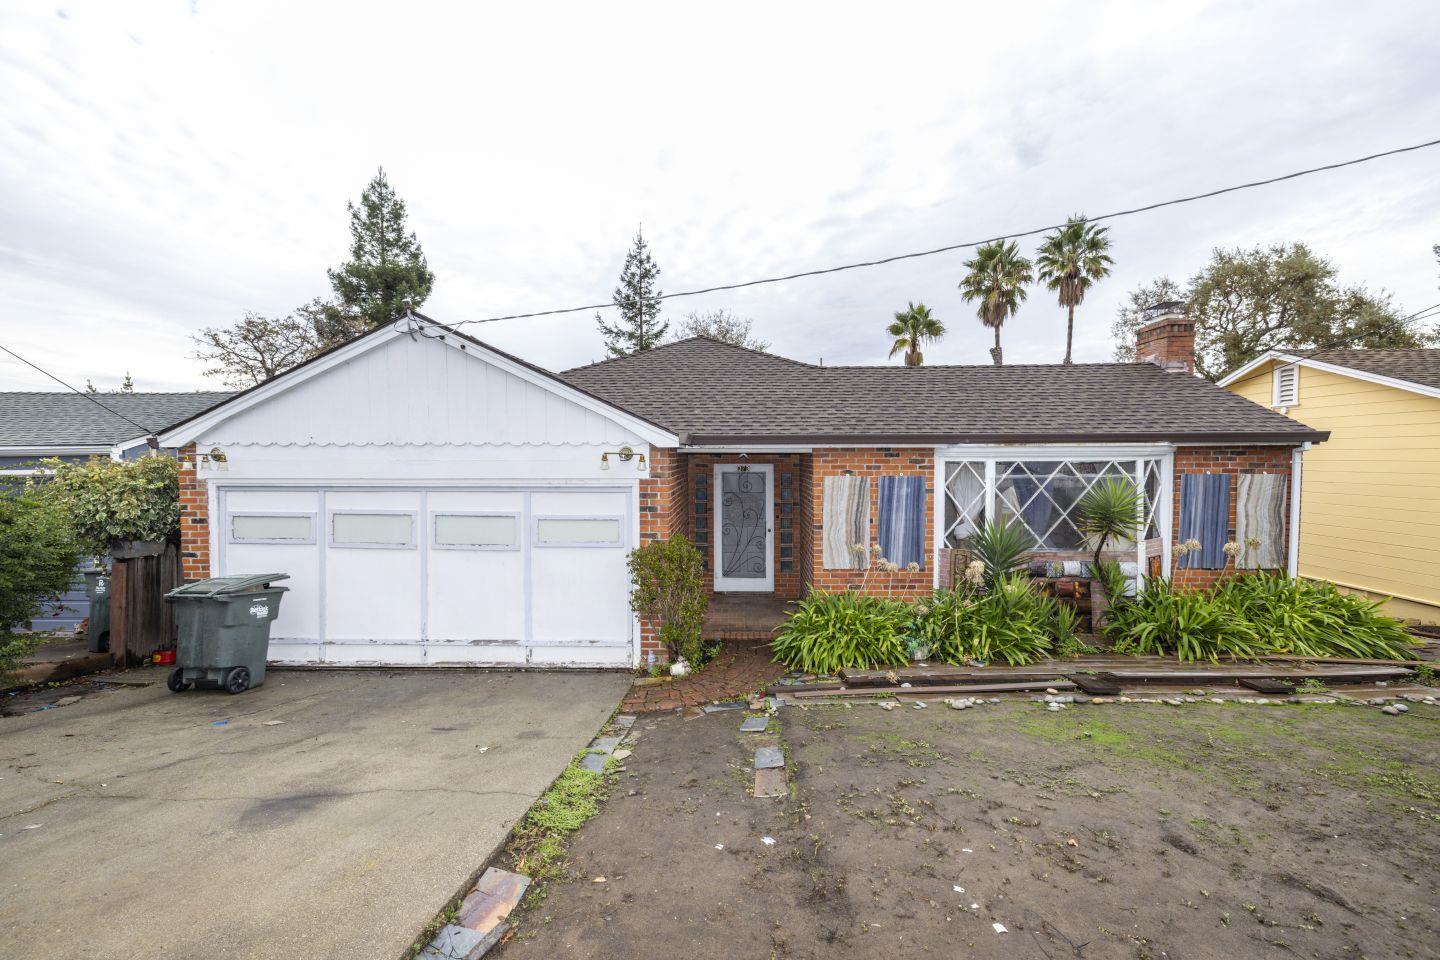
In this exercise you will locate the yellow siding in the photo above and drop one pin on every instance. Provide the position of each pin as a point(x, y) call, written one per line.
point(1370, 507)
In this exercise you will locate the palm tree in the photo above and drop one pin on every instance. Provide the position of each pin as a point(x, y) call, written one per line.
point(911, 328)
point(997, 278)
point(1070, 260)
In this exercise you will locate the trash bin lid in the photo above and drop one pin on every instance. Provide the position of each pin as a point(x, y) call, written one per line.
point(223, 586)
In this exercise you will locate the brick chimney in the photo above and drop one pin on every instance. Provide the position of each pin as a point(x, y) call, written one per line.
point(1167, 339)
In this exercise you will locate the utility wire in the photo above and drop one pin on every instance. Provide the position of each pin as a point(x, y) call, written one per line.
point(1424, 314)
point(87, 396)
point(968, 243)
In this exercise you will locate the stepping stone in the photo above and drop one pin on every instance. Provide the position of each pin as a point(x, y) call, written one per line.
point(608, 744)
point(772, 782)
point(490, 901)
point(728, 705)
point(624, 721)
point(754, 725)
point(767, 758)
point(594, 762)
point(452, 942)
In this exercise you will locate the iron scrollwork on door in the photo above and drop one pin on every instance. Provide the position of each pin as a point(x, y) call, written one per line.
point(742, 524)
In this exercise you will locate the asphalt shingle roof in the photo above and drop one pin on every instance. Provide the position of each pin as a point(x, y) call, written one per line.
point(1418, 365)
point(36, 419)
point(714, 393)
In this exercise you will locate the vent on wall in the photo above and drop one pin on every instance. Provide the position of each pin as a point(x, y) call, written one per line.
point(1286, 386)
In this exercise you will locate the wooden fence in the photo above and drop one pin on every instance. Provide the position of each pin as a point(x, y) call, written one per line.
point(141, 622)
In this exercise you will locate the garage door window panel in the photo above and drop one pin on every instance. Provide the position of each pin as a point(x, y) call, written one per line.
point(555, 531)
point(280, 528)
point(373, 529)
point(457, 530)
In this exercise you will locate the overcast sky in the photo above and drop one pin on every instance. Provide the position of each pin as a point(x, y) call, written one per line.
point(165, 166)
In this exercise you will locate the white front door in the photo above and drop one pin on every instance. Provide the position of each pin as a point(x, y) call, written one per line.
point(744, 524)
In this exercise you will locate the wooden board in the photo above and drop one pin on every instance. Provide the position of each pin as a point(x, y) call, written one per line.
point(1096, 684)
point(934, 690)
point(1266, 685)
point(930, 676)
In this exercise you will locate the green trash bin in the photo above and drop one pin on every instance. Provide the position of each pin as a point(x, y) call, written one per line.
point(224, 626)
point(97, 590)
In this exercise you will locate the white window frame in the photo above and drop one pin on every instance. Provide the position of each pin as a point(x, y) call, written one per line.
point(1132, 455)
point(541, 544)
point(362, 511)
point(1277, 398)
point(514, 516)
point(230, 536)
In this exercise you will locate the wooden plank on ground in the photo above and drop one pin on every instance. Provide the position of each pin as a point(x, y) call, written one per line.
point(1096, 684)
point(1267, 685)
point(930, 676)
point(967, 688)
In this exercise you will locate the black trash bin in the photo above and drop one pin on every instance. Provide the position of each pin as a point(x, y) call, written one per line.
point(224, 626)
point(97, 590)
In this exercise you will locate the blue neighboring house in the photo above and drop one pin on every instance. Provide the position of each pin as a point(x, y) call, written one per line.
point(38, 425)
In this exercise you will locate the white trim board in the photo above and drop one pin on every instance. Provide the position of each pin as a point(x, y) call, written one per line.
point(1280, 356)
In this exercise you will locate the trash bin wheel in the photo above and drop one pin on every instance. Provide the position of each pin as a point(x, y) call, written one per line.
point(176, 681)
point(237, 680)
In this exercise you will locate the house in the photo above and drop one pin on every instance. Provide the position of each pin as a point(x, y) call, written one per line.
point(436, 500)
point(1372, 493)
point(73, 427)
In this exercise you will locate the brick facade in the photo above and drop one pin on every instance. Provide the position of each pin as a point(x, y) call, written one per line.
point(194, 520)
point(1234, 461)
point(873, 462)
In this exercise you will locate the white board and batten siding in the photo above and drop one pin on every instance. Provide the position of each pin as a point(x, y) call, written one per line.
point(432, 506)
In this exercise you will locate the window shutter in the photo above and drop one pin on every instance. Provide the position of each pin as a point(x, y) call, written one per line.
point(1287, 385)
point(846, 518)
point(1205, 516)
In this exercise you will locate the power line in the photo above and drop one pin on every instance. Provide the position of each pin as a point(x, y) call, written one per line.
point(969, 243)
point(82, 393)
point(1424, 314)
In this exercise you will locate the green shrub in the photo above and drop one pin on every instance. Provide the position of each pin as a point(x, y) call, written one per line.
point(1012, 622)
point(1255, 615)
point(829, 632)
point(37, 557)
point(667, 587)
point(1309, 618)
point(109, 501)
point(1000, 545)
point(1190, 624)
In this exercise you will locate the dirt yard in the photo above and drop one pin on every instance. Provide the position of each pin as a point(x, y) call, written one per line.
point(1137, 831)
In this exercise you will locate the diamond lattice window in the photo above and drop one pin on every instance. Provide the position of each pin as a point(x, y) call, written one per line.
point(964, 500)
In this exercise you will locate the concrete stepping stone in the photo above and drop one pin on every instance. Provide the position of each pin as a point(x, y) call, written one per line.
point(607, 744)
point(624, 721)
point(728, 705)
point(771, 782)
point(768, 758)
point(594, 762)
point(754, 725)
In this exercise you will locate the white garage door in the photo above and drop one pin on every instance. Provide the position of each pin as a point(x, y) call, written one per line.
point(439, 576)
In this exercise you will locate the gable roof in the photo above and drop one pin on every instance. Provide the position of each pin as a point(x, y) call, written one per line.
point(68, 420)
point(1416, 370)
point(185, 430)
point(715, 393)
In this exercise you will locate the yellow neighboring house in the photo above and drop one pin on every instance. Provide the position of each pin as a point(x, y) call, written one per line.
point(1370, 495)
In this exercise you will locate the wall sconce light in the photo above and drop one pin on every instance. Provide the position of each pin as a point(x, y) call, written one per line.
point(216, 458)
point(626, 454)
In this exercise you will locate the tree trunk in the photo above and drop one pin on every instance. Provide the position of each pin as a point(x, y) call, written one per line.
point(995, 354)
point(1069, 333)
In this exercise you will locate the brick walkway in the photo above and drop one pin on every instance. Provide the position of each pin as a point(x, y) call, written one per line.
point(742, 667)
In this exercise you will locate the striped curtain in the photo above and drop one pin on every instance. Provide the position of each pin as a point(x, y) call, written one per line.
point(902, 520)
point(1260, 515)
point(1205, 516)
point(846, 519)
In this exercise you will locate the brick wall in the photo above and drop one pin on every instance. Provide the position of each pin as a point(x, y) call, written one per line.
point(1234, 461)
point(194, 520)
point(787, 542)
point(874, 463)
point(663, 498)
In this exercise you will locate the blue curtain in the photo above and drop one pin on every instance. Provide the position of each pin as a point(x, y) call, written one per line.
point(1205, 516)
point(902, 520)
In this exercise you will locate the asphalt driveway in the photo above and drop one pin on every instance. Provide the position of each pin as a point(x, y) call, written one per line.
point(138, 823)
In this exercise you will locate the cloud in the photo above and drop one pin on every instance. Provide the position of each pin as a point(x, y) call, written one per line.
point(163, 169)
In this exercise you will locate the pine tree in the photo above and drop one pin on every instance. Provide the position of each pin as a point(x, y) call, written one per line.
point(637, 300)
point(386, 268)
